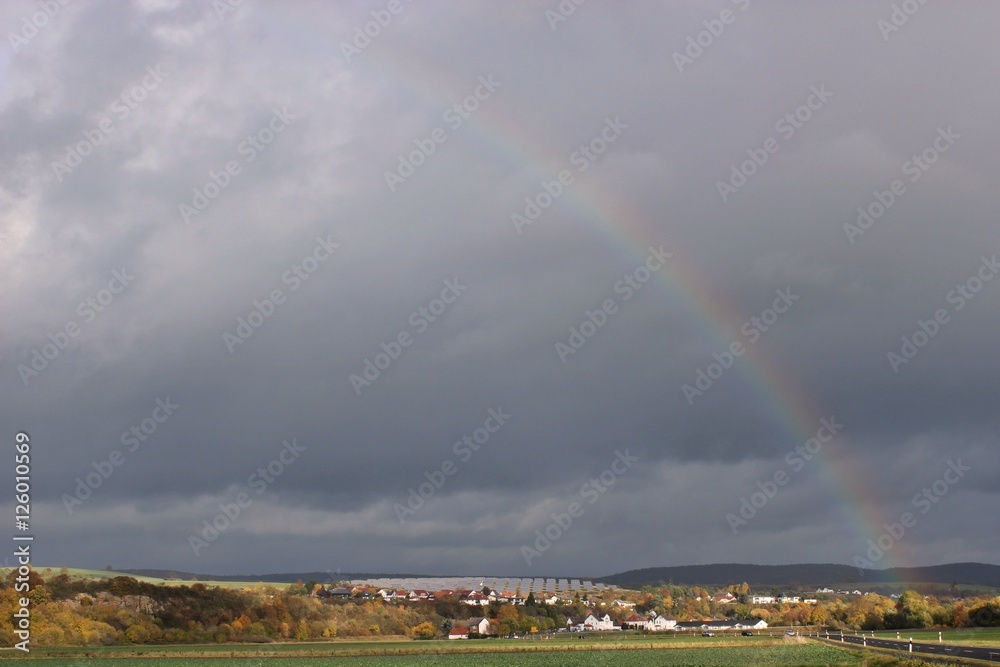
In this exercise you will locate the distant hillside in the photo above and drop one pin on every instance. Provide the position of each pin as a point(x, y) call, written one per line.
point(283, 577)
point(805, 575)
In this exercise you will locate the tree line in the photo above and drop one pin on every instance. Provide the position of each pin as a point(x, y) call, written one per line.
point(71, 611)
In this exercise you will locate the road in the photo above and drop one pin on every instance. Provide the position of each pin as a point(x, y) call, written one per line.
point(949, 650)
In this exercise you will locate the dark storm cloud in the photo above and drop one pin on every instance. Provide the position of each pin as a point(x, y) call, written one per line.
point(295, 266)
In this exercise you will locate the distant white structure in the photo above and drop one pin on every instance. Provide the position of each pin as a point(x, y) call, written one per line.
point(592, 623)
point(538, 586)
point(655, 622)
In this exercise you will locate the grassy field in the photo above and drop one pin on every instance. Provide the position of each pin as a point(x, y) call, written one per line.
point(965, 636)
point(717, 654)
point(79, 573)
point(404, 646)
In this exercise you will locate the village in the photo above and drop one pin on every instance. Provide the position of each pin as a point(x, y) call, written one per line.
point(592, 607)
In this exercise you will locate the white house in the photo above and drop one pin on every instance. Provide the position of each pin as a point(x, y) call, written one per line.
point(704, 625)
point(514, 598)
point(661, 623)
point(722, 624)
point(634, 622)
point(479, 624)
point(476, 599)
point(762, 599)
point(654, 623)
point(592, 623)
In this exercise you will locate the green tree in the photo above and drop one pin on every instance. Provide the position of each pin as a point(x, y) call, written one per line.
point(912, 611)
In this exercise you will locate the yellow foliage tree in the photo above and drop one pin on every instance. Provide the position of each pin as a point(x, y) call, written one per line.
point(425, 630)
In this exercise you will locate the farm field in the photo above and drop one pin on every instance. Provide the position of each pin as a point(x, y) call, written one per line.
point(403, 646)
point(80, 573)
point(714, 655)
point(965, 636)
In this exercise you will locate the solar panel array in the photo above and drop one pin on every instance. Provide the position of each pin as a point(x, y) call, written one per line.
point(510, 584)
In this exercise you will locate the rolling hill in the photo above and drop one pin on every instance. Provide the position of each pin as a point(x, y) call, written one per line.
point(807, 575)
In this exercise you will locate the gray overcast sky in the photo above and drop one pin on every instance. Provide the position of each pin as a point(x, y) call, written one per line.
point(212, 217)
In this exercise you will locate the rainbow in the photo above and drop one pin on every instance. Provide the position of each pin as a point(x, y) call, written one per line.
point(629, 234)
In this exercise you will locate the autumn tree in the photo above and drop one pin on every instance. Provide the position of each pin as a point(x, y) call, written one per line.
point(912, 611)
point(423, 631)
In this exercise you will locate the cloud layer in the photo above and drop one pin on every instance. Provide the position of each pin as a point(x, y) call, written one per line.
point(358, 233)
